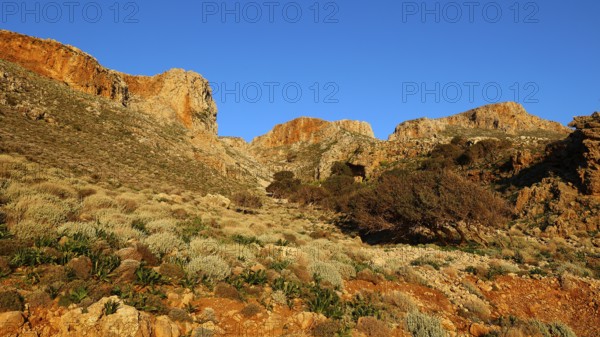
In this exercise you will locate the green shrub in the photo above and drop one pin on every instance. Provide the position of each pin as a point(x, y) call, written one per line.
point(11, 301)
point(147, 276)
point(78, 294)
point(325, 301)
point(255, 277)
point(103, 265)
point(29, 257)
point(426, 261)
point(290, 289)
point(111, 307)
point(284, 184)
point(4, 232)
point(280, 265)
point(363, 307)
point(560, 330)
point(246, 240)
point(190, 228)
point(403, 203)
point(141, 301)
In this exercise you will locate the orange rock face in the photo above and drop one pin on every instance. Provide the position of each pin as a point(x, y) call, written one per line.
point(175, 95)
point(297, 130)
point(310, 130)
point(63, 63)
point(588, 131)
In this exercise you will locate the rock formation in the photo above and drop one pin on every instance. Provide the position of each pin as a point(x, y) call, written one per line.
point(510, 118)
point(588, 134)
point(183, 94)
point(309, 130)
point(306, 146)
point(310, 146)
point(175, 95)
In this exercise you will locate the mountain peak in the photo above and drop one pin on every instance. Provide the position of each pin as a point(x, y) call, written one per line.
point(508, 117)
point(176, 95)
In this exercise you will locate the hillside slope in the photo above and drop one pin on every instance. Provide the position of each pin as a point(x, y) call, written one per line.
point(52, 124)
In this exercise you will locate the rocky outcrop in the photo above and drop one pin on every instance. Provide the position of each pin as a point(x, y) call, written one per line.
point(557, 207)
point(357, 127)
point(309, 130)
point(10, 323)
point(309, 146)
point(510, 118)
point(126, 321)
point(587, 134)
point(175, 95)
point(63, 63)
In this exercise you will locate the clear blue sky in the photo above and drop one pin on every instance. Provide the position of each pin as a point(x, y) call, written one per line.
point(381, 61)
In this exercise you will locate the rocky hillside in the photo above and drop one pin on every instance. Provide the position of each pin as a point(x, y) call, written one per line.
point(588, 136)
point(44, 119)
point(174, 95)
point(80, 257)
point(309, 146)
point(121, 215)
point(509, 118)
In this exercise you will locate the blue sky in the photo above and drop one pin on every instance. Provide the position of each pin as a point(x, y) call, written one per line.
point(380, 61)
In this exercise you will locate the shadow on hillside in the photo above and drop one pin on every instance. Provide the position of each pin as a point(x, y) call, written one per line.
point(562, 160)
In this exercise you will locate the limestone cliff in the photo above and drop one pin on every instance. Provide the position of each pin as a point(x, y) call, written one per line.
point(310, 146)
point(509, 117)
point(310, 130)
point(175, 95)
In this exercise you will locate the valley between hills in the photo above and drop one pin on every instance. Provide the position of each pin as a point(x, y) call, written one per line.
point(124, 213)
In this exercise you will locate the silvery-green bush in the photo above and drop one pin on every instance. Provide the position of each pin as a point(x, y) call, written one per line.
point(212, 267)
point(162, 244)
point(423, 325)
point(326, 272)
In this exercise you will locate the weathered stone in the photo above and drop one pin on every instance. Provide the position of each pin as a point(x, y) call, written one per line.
point(125, 322)
point(129, 253)
point(587, 136)
point(126, 271)
point(164, 327)
point(82, 266)
point(508, 117)
point(11, 322)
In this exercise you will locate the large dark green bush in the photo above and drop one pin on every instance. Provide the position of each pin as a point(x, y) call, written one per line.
point(284, 184)
point(438, 204)
point(246, 200)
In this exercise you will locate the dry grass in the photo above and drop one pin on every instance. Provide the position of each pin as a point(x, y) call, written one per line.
point(372, 327)
point(281, 232)
point(402, 301)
